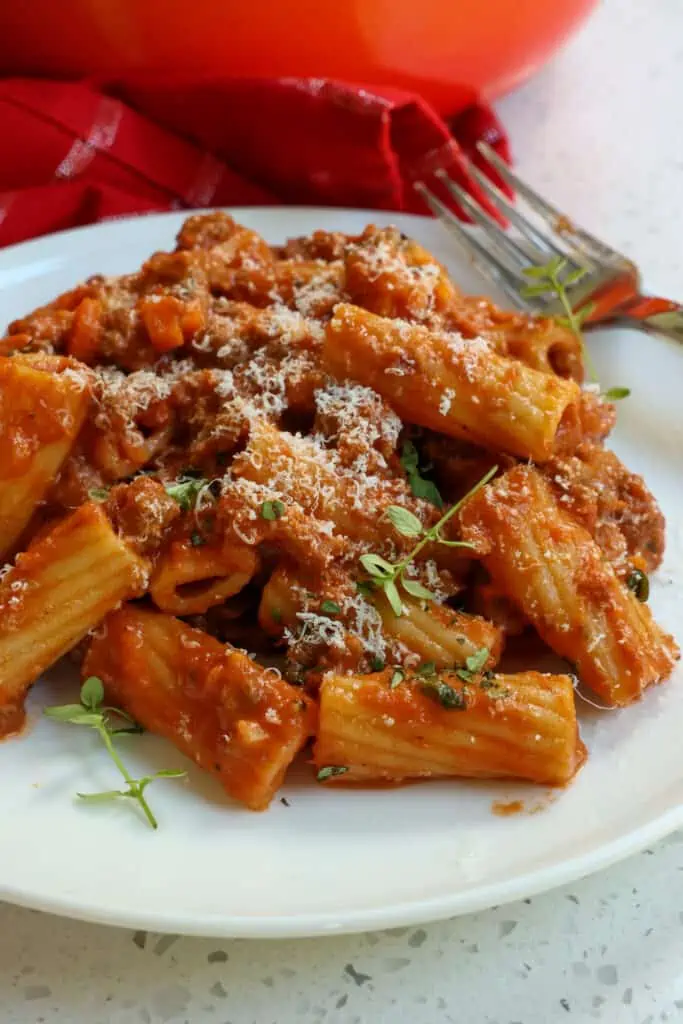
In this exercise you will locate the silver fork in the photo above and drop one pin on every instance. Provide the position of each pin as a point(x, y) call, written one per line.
point(610, 287)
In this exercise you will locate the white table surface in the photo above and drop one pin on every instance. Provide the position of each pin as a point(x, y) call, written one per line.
point(601, 131)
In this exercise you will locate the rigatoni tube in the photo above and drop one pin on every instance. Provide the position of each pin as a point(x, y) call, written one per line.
point(373, 728)
point(234, 718)
point(40, 416)
point(61, 587)
point(458, 386)
point(556, 574)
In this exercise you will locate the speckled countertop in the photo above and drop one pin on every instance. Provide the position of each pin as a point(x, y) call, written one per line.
point(600, 131)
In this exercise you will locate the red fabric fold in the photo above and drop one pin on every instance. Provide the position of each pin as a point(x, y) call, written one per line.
point(73, 152)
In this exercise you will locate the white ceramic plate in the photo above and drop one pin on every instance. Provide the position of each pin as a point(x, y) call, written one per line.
point(338, 860)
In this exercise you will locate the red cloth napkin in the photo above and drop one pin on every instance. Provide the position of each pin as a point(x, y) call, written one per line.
point(72, 153)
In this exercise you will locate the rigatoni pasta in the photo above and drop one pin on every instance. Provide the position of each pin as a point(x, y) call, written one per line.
point(555, 572)
point(458, 386)
point(41, 414)
point(498, 726)
point(234, 718)
point(58, 590)
point(306, 492)
point(442, 636)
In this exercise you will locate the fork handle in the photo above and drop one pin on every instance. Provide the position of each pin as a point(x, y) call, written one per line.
point(651, 314)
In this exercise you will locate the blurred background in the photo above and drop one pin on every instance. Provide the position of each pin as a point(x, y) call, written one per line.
point(449, 51)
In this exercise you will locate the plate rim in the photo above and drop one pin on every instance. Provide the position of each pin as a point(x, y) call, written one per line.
point(354, 922)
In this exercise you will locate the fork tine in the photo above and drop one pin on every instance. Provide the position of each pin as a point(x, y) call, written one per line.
point(583, 243)
point(491, 228)
point(486, 261)
point(544, 246)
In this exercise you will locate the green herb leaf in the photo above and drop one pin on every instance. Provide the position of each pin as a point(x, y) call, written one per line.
point(409, 457)
point(405, 522)
point(330, 771)
point(393, 597)
point(584, 312)
point(103, 797)
point(184, 491)
point(416, 589)
point(330, 608)
point(534, 272)
point(92, 692)
point(616, 394)
point(445, 695)
point(377, 566)
point(272, 510)
point(529, 291)
point(476, 661)
point(196, 540)
point(575, 276)
point(377, 664)
point(163, 773)
point(426, 670)
point(74, 713)
point(556, 266)
point(98, 494)
point(366, 587)
point(397, 677)
point(639, 584)
point(419, 485)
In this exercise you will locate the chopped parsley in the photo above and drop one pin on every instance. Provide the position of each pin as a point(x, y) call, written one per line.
point(397, 677)
point(271, 510)
point(196, 539)
point(330, 770)
point(377, 664)
point(473, 664)
point(185, 489)
point(616, 394)
point(330, 608)
point(426, 670)
point(444, 694)
point(98, 494)
point(639, 584)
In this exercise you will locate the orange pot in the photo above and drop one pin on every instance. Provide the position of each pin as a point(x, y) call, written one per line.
point(448, 50)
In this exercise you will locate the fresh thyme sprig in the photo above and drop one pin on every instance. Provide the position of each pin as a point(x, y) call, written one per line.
point(552, 279)
point(92, 712)
point(387, 576)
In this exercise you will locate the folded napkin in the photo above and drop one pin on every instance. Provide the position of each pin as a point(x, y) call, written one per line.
point(73, 153)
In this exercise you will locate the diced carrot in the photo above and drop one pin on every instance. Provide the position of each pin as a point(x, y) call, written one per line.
point(192, 320)
point(83, 341)
point(161, 316)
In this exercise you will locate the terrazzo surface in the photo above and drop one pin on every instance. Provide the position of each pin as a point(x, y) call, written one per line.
point(599, 131)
